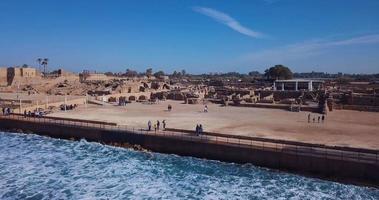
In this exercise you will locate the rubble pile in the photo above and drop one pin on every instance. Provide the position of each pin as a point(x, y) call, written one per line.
point(30, 89)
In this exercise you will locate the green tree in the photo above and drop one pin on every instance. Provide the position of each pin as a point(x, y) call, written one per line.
point(131, 73)
point(109, 73)
point(159, 74)
point(44, 64)
point(149, 72)
point(278, 72)
point(254, 73)
point(39, 61)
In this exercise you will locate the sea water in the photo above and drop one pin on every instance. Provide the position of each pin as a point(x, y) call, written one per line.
point(36, 167)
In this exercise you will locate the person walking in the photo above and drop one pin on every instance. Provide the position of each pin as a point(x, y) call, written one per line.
point(158, 124)
point(197, 129)
point(155, 127)
point(322, 118)
point(309, 117)
point(164, 124)
point(149, 125)
point(201, 129)
point(318, 119)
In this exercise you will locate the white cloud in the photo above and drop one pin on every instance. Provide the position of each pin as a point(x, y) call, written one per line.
point(228, 21)
point(307, 49)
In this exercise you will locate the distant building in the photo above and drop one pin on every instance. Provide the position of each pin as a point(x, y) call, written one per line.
point(88, 76)
point(298, 85)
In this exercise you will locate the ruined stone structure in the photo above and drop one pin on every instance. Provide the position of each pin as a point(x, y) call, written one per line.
point(363, 100)
point(17, 75)
point(87, 76)
point(236, 95)
point(3, 76)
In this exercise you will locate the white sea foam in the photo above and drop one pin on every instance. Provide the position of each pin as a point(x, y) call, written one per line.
point(37, 167)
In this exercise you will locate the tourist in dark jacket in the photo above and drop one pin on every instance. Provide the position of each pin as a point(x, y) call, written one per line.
point(164, 124)
point(149, 125)
point(201, 129)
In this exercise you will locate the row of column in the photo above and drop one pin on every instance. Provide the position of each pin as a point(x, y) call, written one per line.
point(310, 87)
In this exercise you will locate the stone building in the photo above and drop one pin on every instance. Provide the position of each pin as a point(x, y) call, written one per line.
point(14, 75)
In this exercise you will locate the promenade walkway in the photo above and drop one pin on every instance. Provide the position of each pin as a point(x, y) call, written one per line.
point(288, 147)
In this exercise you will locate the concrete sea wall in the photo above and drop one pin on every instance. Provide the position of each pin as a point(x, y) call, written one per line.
point(346, 170)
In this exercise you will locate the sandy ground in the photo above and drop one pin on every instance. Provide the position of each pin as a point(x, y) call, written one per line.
point(342, 128)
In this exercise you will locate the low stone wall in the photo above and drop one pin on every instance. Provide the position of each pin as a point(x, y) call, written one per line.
point(364, 100)
point(361, 108)
point(275, 106)
point(28, 107)
point(279, 95)
point(355, 107)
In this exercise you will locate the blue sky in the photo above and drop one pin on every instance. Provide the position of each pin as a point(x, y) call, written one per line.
point(199, 36)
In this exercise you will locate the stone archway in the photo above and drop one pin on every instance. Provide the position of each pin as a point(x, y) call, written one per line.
point(165, 86)
point(145, 85)
point(142, 98)
point(132, 98)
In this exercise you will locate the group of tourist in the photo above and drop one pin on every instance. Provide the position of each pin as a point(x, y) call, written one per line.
point(199, 129)
point(68, 107)
point(156, 125)
point(36, 113)
point(7, 111)
point(322, 118)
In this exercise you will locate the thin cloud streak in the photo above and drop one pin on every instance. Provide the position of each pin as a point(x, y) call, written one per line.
point(307, 49)
point(228, 21)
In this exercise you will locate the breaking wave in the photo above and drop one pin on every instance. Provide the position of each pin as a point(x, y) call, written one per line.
point(36, 167)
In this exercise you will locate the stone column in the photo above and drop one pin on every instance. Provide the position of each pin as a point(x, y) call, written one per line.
point(283, 86)
point(310, 88)
point(274, 86)
point(296, 86)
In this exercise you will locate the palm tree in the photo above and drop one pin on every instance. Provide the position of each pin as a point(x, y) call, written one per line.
point(39, 60)
point(44, 63)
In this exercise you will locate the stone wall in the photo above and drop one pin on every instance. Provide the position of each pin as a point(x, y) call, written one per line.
point(92, 77)
point(3, 77)
point(280, 95)
point(364, 100)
